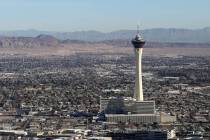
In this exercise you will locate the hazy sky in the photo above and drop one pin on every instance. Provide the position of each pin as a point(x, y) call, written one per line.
point(102, 15)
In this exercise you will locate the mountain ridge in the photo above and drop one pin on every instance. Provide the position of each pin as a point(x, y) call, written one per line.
point(42, 41)
point(153, 35)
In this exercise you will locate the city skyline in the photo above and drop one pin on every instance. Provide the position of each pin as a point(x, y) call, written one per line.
point(104, 16)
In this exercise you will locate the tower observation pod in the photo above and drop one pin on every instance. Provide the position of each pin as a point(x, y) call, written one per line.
point(138, 43)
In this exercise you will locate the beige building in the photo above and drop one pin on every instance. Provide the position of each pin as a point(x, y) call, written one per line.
point(166, 118)
point(133, 118)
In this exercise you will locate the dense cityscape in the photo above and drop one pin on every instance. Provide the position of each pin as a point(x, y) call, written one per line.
point(46, 97)
point(104, 70)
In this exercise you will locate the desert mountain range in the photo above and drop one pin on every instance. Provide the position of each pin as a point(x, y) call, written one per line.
point(152, 35)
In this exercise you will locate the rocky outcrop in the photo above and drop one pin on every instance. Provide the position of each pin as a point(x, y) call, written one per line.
point(29, 42)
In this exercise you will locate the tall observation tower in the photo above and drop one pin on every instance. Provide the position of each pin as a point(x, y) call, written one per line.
point(129, 110)
point(138, 43)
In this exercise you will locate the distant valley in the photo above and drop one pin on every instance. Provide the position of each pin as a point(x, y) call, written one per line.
point(47, 45)
point(160, 42)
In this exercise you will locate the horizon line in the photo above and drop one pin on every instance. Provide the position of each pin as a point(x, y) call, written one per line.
point(93, 30)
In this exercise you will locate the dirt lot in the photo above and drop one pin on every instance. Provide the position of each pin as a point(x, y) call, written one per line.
point(102, 48)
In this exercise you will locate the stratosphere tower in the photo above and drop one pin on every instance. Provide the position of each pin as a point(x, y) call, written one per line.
point(138, 43)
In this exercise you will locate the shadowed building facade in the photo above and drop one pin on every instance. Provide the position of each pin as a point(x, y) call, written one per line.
point(114, 105)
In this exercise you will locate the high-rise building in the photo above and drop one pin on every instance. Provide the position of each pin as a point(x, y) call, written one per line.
point(138, 43)
point(133, 110)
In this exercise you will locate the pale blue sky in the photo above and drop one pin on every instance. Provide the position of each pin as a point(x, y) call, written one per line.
point(102, 15)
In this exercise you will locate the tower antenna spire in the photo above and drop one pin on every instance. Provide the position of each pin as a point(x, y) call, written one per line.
point(137, 28)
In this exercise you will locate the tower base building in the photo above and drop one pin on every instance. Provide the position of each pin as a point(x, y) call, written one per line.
point(128, 110)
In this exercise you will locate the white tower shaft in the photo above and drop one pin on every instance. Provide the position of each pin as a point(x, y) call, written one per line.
point(138, 83)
